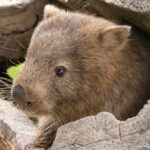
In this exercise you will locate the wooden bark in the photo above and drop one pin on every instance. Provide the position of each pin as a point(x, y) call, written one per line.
point(102, 131)
point(105, 132)
point(17, 21)
point(16, 130)
point(136, 12)
point(79, 5)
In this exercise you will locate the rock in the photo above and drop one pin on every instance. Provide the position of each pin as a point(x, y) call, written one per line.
point(102, 131)
point(135, 12)
point(105, 132)
point(19, 18)
point(16, 130)
point(17, 21)
point(79, 5)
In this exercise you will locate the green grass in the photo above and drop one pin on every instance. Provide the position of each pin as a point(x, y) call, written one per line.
point(13, 71)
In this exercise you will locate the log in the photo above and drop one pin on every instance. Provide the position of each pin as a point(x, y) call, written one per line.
point(135, 12)
point(79, 5)
point(102, 131)
point(105, 132)
point(17, 21)
point(16, 129)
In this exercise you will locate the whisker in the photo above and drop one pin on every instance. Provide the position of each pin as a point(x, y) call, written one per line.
point(19, 43)
point(6, 79)
point(11, 49)
point(7, 85)
point(58, 115)
point(19, 62)
point(5, 97)
point(2, 91)
point(5, 88)
point(12, 62)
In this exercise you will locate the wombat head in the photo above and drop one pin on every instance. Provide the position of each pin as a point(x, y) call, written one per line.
point(67, 61)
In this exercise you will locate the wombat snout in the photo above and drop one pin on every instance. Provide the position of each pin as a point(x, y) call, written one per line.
point(20, 98)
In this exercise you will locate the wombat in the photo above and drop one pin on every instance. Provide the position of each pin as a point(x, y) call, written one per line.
point(78, 65)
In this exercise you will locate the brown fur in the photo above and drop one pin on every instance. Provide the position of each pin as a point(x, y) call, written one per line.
point(106, 71)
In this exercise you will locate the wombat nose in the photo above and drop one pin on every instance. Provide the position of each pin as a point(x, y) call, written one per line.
point(19, 97)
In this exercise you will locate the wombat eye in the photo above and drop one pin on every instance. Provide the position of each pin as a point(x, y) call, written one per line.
point(60, 71)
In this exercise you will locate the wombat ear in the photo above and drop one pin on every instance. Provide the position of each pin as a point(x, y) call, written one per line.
point(115, 37)
point(50, 10)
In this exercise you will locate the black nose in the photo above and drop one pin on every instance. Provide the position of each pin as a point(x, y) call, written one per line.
point(19, 96)
point(18, 92)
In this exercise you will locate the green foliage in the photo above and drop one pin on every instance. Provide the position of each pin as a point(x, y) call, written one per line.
point(13, 71)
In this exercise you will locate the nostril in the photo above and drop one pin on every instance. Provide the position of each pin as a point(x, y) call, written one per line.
point(27, 104)
point(14, 103)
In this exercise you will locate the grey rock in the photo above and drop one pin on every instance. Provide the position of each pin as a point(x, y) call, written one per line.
point(102, 131)
point(17, 21)
point(105, 132)
point(79, 5)
point(136, 12)
point(16, 130)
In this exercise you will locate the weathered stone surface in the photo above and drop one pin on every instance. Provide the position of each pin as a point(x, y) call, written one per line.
point(16, 130)
point(80, 5)
point(104, 132)
point(5, 87)
point(17, 21)
point(136, 12)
